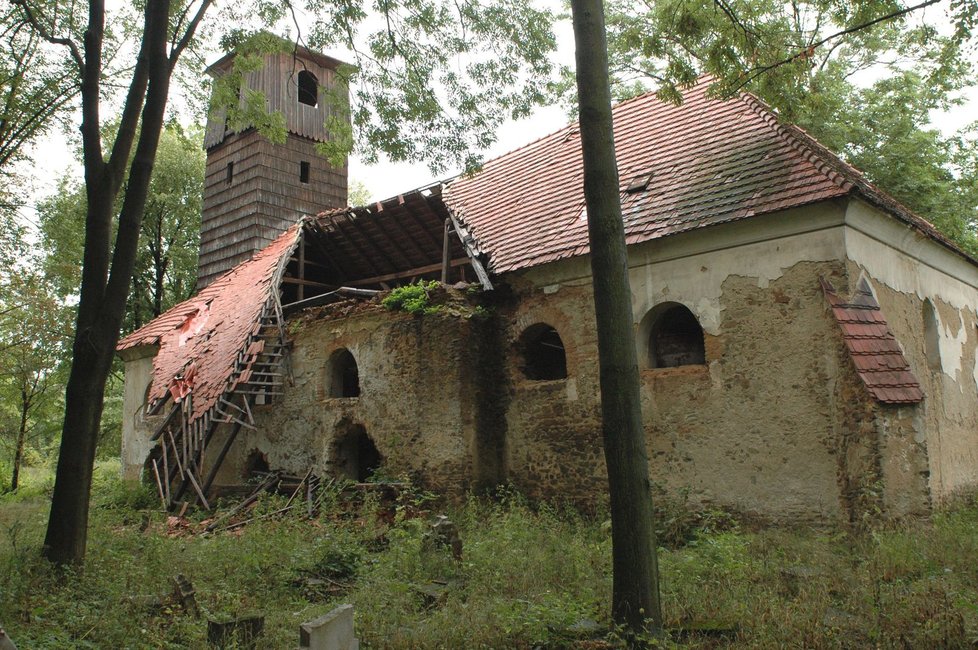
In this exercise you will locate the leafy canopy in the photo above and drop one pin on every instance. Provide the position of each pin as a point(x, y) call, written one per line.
point(805, 58)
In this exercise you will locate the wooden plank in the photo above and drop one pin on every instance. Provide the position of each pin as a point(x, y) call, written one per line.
point(410, 272)
point(200, 493)
point(307, 283)
point(159, 483)
point(444, 252)
point(220, 457)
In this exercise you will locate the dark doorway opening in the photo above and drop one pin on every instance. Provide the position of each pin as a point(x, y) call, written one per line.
point(355, 455)
point(257, 463)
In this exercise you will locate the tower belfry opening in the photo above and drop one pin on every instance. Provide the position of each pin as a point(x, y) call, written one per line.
point(254, 189)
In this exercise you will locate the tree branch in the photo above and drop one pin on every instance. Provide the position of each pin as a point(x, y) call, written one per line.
point(46, 34)
point(805, 53)
point(188, 35)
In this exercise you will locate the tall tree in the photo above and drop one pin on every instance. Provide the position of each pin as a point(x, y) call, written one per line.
point(35, 86)
point(803, 57)
point(635, 592)
point(34, 327)
point(416, 46)
point(166, 258)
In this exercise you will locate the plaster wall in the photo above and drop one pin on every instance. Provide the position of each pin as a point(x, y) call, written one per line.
point(136, 427)
point(770, 425)
point(916, 279)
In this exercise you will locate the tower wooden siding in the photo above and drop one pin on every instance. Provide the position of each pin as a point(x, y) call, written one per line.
point(266, 194)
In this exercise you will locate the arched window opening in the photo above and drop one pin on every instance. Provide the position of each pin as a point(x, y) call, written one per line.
point(308, 88)
point(344, 376)
point(355, 456)
point(932, 336)
point(543, 353)
point(676, 339)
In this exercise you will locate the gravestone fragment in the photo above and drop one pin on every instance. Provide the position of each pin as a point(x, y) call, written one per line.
point(332, 631)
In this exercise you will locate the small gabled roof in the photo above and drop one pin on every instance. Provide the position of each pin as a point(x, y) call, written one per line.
point(681, 167)
point(877, 355)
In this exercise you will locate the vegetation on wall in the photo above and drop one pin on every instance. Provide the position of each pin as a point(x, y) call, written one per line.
point(413, 298)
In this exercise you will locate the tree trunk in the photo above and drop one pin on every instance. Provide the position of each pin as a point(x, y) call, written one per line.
point(105, 287)
point(635, 596)
point(25, 407)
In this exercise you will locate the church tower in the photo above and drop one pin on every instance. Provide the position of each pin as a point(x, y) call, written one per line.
point(254, 189)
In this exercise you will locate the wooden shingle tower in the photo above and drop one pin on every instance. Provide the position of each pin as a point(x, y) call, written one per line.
point(254, 189)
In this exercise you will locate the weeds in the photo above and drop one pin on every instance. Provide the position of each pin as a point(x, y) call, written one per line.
point(413, 298)
point(530, 576)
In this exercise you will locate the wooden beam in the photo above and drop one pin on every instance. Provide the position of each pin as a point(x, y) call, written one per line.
point(421, 270)
point(321, 241)
point(308, 283)
point(367, 259)
point(445, 249)
point(420, 224)
point(302, 267)
point(405, 236)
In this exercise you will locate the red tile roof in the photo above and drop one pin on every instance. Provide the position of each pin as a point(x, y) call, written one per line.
point(874, 350)
point(704, 162)
point(200, 339)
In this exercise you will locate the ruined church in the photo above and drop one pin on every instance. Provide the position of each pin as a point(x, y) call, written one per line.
point(807, 344)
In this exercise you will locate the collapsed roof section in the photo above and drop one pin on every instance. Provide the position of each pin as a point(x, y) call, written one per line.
point(408, 237)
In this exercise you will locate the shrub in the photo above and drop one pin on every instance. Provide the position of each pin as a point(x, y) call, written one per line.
point(412, 298)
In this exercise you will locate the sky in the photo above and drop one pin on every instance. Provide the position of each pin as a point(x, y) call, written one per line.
point(53, 157)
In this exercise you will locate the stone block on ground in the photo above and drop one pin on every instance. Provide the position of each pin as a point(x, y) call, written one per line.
point(332, 631)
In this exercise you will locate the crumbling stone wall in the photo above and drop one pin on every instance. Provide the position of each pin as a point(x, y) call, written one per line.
point(416, 400)
point(775, 423)
point(757, 428)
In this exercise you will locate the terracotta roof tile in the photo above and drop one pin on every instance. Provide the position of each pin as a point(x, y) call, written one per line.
point(875, 352)
point(200, 339)
point(702, 163)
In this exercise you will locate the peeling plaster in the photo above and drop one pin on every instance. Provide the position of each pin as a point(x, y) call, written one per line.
point(920, 266)
point(951, 346)
point(703, 275)
point(975, 373)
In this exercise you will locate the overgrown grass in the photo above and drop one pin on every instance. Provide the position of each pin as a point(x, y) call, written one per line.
point(527, 574)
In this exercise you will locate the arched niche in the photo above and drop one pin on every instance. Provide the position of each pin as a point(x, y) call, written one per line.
point(343, 374)
point(672, 337)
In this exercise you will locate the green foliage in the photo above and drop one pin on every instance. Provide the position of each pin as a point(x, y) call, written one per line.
point(433, 80)
point(36, 86)
point(774, 50)
point(35, 330)
point(413, 298)
point(166, 261)
point(338, 563)
point(527, 575)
